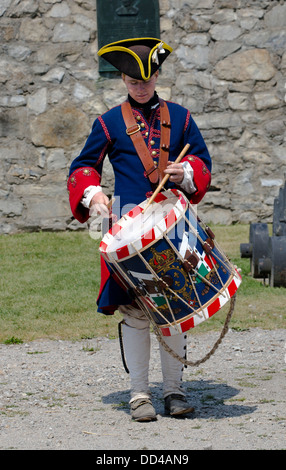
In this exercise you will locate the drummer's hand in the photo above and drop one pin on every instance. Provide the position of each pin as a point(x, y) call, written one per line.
point(98, 205)
point(176, 172)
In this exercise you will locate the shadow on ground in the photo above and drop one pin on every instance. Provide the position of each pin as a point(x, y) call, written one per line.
point(208, 398)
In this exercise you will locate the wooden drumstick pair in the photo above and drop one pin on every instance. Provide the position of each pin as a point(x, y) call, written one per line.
point(166, 177)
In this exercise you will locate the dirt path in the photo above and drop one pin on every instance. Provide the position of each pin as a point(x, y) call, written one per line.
point(74, 395)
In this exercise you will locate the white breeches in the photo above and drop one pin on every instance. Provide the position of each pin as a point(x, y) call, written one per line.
point(136, 340)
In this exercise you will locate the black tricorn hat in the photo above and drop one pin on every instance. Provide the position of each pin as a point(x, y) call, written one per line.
point(138, 58)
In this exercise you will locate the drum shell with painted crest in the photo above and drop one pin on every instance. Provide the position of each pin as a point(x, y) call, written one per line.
point(168, 258)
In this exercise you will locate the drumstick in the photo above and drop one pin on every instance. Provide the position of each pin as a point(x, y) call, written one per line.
point(105, 224)
point(166, 177)
point(110, 204)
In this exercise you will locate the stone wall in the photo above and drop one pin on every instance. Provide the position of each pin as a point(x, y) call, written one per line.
point(228, 68)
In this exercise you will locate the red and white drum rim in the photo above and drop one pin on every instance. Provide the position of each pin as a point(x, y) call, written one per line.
point(139, 244)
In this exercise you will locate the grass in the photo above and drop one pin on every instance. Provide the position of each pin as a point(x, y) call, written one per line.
point(49, 285)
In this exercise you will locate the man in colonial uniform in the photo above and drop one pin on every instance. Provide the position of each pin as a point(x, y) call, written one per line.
point(142, 138)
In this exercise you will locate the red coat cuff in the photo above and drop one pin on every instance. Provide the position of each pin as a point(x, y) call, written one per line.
point(201, 177)
point(78, 181)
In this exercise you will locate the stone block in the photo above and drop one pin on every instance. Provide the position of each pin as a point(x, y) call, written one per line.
point(254, 64)
point(61, 126)
point(64, 32)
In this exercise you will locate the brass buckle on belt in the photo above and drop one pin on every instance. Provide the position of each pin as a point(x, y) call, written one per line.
point(133, 129)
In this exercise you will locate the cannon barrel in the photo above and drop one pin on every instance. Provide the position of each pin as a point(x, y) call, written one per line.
point(268, 254)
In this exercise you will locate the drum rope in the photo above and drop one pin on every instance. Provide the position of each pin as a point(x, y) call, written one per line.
point(183, 360)
point(186, 362)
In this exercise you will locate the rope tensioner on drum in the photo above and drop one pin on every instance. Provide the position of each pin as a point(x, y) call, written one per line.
point(196, 363)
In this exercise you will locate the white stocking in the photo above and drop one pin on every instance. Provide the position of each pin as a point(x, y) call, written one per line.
point(172, 369)
point(136, 341)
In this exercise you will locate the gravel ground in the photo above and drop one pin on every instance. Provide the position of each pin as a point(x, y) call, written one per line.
point(74, 395)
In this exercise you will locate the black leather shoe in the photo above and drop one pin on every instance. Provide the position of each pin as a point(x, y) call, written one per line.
point(176, 404)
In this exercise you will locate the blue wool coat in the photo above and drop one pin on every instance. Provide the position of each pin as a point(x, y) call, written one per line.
point(108, 137)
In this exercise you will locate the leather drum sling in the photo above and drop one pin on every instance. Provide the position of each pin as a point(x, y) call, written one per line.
point(133, 129)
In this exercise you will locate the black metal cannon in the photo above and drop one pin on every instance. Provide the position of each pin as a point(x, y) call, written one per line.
point(268, 253)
